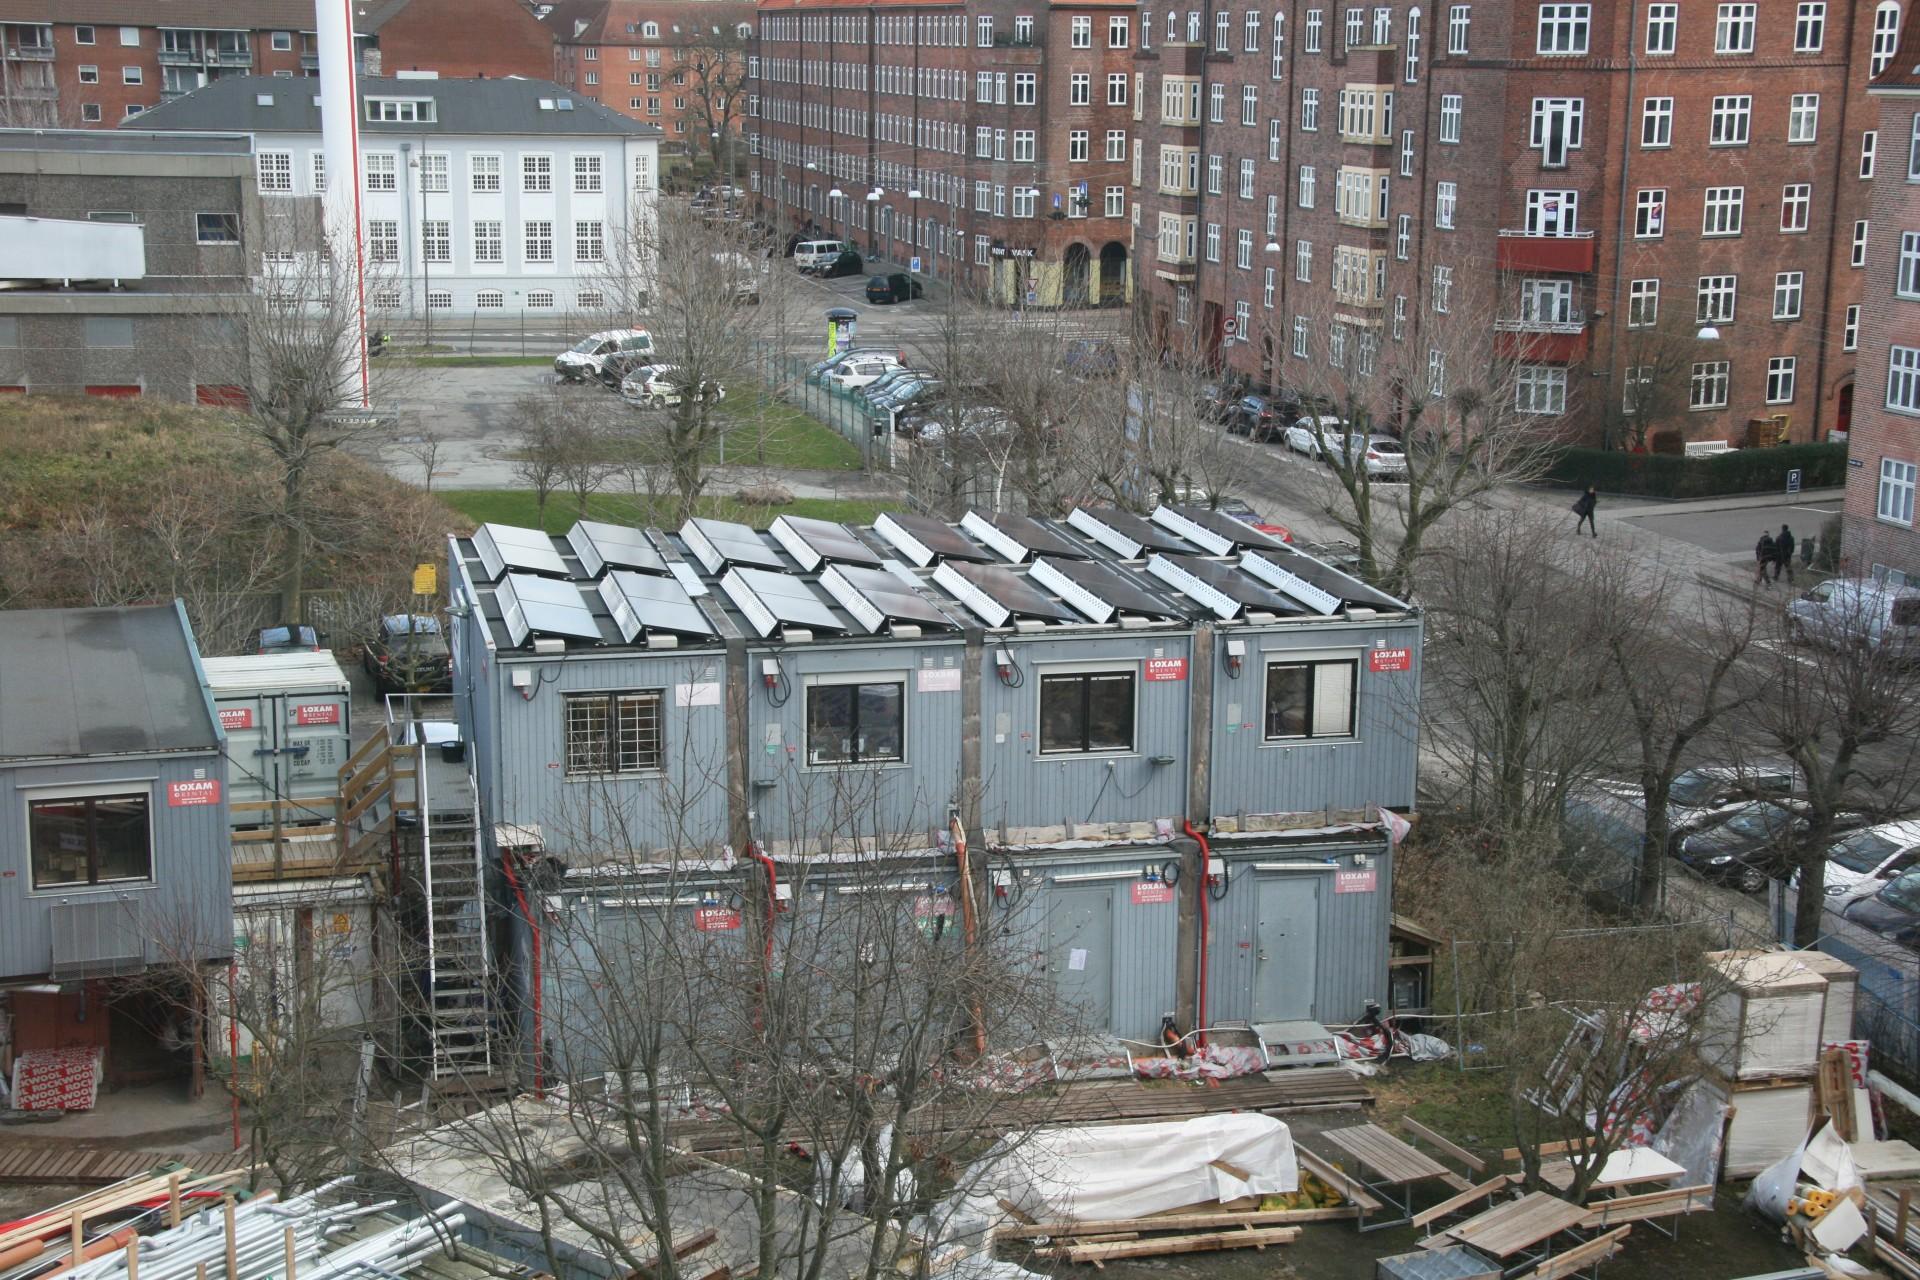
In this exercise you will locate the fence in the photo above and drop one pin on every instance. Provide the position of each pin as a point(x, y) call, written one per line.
point(1888, 999)
point(786, 376)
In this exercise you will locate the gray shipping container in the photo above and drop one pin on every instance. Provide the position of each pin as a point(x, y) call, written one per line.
point(289, 724)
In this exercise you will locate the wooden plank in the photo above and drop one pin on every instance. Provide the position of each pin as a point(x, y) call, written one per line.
point(1066, 1227)
point(1347, 1187)
point(1443, 1145)
point(1512, 1154)
point(1205, 1242)
point(1453, 1204)
point(1579, 1257)
point(1655, 1204)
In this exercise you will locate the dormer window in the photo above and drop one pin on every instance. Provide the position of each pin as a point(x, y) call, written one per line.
point(401, 110)
point(649, 31)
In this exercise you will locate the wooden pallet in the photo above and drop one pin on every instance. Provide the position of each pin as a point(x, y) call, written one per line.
point(36, 1161)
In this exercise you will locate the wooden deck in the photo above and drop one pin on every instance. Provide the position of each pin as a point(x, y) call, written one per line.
point(44, 1161)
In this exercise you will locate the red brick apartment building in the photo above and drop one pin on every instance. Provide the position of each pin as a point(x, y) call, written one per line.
point(989, 138)
point(459, 39)
point(1599, 170)
point(1884, 451)
point(646, 58)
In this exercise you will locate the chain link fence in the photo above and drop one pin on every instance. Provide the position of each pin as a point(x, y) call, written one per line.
point(791, 378)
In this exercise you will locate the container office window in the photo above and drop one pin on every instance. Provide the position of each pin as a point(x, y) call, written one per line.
point(859, 723)
point(1084, 711)
point(83, 840)
point(613, 733)
point(1310, 699)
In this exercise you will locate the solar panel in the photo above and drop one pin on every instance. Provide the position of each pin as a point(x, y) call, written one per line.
point(532, 605)
point(877, 598)
point(1177, 576)
point(1117, 587)
point(1125, 534)
point(772, 601)
point(641, 601)
point(813, 542)
point(1216, 531)
point(1015, 538)
point(603, 546)
point(1247, 589)
point(720, 543)
point(997, 594)
point(922, 539)
point(1283, 577)
point(503, 546)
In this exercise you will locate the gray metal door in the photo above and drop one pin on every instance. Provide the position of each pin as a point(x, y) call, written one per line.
point(1286, 947)
point(1080, 951)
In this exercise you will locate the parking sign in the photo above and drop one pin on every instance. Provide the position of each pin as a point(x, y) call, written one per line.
point(1793, 480)
point(913, 264)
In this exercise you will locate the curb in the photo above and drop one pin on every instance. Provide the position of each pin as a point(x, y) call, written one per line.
point(1724, 502)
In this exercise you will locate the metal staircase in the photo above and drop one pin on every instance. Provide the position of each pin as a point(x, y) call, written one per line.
point(457, 973)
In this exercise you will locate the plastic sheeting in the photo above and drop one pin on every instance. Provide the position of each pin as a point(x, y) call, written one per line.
point(1692, 1132)
point(1131, 1170)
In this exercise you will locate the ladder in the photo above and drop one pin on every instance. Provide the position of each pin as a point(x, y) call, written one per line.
point(457, 975)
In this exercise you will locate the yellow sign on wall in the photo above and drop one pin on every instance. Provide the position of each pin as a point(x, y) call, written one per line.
point(426, 580)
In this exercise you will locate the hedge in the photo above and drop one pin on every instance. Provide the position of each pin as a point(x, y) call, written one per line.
point(1659, 475)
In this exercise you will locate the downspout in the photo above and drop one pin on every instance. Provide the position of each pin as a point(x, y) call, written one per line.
point(1833, 210)
point(1200, 1005)
point(533, 924)
point(969, 927)
point(1620, 224)
point(773, 899)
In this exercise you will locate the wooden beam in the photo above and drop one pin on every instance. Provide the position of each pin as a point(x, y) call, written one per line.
point(1452, 1204)
point(1443, 1145)
point(1066, 1227)
point(1347, 1187)
point(1546, 1149)
point(1205, 1242)
point(1579, 1257)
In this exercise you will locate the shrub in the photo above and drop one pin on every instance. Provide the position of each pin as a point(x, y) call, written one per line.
point(1657, 475)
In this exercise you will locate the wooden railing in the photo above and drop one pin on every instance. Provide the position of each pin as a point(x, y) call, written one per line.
point(366, 782)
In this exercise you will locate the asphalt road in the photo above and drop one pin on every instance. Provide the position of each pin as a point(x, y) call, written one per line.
point(1730, 531)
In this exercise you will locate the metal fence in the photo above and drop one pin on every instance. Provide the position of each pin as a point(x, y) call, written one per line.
point(1886, 1010)
point(785, 375)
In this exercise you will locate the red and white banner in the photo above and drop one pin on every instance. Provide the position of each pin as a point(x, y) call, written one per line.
point(193, 791)
point(1151, 892)
point(716, 919)
point(316, 713)
point(236, 717)
point(1390, 660)
point(1355, 881)
point(1166, 668)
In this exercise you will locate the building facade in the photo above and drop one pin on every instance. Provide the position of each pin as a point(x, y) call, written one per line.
point(121, 253)
point(456, 38)
point(645, 709)
point(1884, 452)
point(989, 139)
point(480, 199)
point(677, 64)
point(1318, 180)
point(94, 63)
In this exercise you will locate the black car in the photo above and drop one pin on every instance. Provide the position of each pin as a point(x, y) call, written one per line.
point(898, 287)
point(1262, 418)
point(615, 368)
point(1749, 844)
point(847, 264)
point(1894, 912)
point(289, 637)
point(408, 654)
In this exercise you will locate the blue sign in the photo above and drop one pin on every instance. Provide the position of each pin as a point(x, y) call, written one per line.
point(913, 264)
point(1793, 480)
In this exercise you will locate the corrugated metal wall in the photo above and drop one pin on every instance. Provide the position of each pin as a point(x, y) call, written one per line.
point(1377, 766)
point(794, 802)
point(1025, 789)
point(1350, 932)
point(189, 905)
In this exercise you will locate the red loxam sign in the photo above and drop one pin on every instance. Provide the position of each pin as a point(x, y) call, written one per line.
point(236, 717)
point(193, 791)
point(1149, 892)
point(1390, 660)
point(316, 713)
point(716, 919)
point(1166, 668)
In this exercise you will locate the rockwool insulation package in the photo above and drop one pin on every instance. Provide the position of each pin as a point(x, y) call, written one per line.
point(1131, 1170)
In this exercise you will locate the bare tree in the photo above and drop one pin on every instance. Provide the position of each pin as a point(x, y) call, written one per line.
point(1656, 369)
point(713, 57)
point(540, 452)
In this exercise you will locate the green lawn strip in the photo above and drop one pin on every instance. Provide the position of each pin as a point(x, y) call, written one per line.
point(1469, 1107)
point(518, 507)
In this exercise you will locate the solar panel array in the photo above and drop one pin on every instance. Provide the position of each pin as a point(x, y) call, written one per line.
point(908, 574)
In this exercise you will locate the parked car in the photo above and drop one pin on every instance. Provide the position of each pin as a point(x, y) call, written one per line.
point(855, 374)
point(1315, 435)
point(849, 263)
point(583, 359)
point(898, 287)
point(657, 386)
point(1748, 845)
point(408, 654)
point(906, 392)
point(615, 369)
point(1860, 862)
point(1091, 358)
point(1893, 912)
point(809, 254)
point(1381, 455)
point(1844, 611)
point(891, 378)
point(1216, 400)
point(1700, 793)
point(821, 368)
point(1260, 418)
point(290, 637)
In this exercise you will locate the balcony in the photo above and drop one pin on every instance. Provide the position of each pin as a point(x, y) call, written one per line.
point(1177, 270)
point(310, 63)
point(233, 58)
point(181, 57)
point(1556, 341)
point(1531, 251)
point(30, 52)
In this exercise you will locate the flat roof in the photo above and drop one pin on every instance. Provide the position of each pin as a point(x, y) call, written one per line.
point(158, 142)
point(101, 682)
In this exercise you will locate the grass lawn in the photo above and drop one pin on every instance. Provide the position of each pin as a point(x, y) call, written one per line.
point(763, 433)
point(517, 507)
point(1470, 1108)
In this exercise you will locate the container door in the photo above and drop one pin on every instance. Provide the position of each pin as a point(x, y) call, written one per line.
point(1080, 951)
point(313, 729)
point(1286, 947)
point(248, 720)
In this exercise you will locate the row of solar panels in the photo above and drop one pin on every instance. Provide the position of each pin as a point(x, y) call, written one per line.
point(649, 591)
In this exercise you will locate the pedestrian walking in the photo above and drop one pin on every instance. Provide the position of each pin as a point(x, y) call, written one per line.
point(1762, 559)
point(1584, 507)
point(1783, 553)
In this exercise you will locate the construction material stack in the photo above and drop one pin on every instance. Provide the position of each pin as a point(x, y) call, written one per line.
point(1761, 1040)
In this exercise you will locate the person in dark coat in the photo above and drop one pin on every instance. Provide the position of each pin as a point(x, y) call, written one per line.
point(1763, 559)
point(1584, 507)
point(1783, 553)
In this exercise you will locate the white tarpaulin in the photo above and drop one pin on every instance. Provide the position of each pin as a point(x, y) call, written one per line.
point(1131, 1170)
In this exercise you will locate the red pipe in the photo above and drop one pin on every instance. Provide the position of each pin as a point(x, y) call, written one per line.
point(233, 1042)
point(773, 899)
point(1200, 1002)
point(533, 923)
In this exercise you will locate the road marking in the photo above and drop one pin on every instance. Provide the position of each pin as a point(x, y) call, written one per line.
point(1822, 511)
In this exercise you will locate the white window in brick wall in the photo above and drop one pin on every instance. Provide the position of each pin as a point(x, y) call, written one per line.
point(1303, 261)
point(1656, 123)
point(1246, 179)
point(1213, 242)
point(1803, 117)
point(1275, 135)
point(1540, 388)
point(1310, 110)
point(1716, 299)
point(1643, 304)
point(1249, 105)
point(1442, 289)
point(1306, 186)
point(1116, 203)
point(1356, 27)
point(1810, 26)
point(1707, 385)
point(1216, 104)
point(1553, 213)
point(1213, 175)
point(1337, 345)
point(1563, 30)
point(1897, 481)
point(1081, 33)
point(1117, 89)
point(1868, 142)
point(1116, 146)
point(1077, 146)
point(1080, 89)
point(1403, 237)
point(1903, 379)
point(1301, 337)
point(1310, 42)
point(1733, 29)
point(1399, 317)
point(1026, 89)
point(1410, 71)
point(1858, 256)
point(1436, 373)
point(1906, 283)
point(1450, 116)
point(1650, 213)
point(1277, 67)
point(1796, 203)
point(1024, 199)
point(1788, 286)
point(1663, 21)
point(1886, 35)
point(1731, 122)
point(1273, 215)
point(1459, 27)
point(1557, 127)
point(1724, 210)
point(1023, 145)
point(1446, 199)
point(1850, 330)
point(1913, 151)
point(1243, 250)
point(1222, 30)
point(1780, 378)
point(1117, 31)
point(1252, 31)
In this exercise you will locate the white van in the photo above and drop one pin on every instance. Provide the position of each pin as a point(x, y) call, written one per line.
point(1855, 611)
point(584, 358)
point(817, 253)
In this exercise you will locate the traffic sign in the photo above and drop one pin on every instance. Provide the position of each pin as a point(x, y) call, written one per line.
point(1793, 480)
point(1230, 328)
point(913, 264)
point(1033, 297)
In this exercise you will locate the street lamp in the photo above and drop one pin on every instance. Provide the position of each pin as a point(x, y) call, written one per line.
point(834, 193)
point(1708, 333)
point(873, 222)
point(913, 232)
